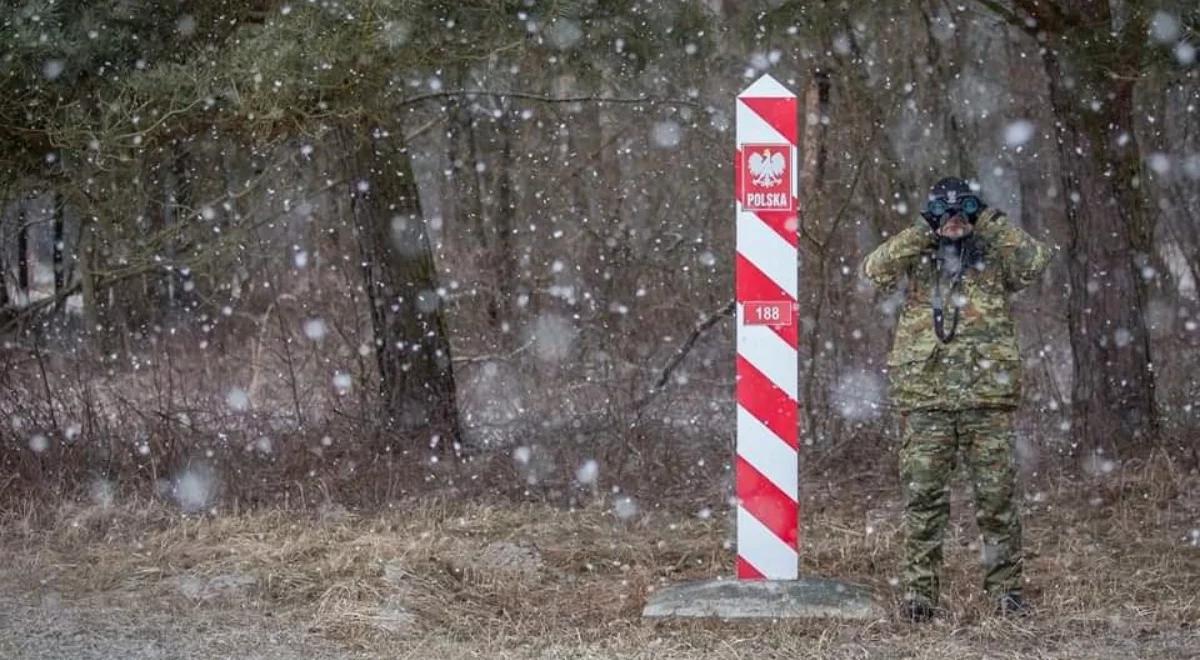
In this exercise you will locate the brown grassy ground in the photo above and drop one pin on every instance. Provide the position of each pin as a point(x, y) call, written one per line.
point(1113, 570)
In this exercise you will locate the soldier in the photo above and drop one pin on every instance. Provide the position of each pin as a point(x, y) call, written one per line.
point(955, 376)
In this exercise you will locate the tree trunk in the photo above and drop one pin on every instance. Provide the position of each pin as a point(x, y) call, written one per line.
point(1109, 235)
point(818, 416)
point(87, 269)
point(504, 252)
point(955, 159)
point(59, 243)
point(23, 253)
point(411, 346)
point(465, 207)
point(179, 201)
point(4, 299)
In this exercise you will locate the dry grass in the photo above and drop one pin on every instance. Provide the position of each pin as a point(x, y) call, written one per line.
point(1112, 570)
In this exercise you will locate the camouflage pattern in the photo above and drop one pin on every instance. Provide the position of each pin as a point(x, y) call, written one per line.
point(927, 460)
point(958, 396)
point(981, 366)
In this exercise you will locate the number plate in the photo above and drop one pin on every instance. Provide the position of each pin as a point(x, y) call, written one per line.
point(766, 313)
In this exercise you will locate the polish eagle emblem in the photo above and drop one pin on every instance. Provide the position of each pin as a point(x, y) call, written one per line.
point(766, 168)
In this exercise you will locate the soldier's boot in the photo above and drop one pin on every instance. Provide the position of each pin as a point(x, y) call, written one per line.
point(1012, 604)
point(915, 610)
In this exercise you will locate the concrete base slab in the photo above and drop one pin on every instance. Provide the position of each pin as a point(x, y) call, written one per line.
point(807, 597)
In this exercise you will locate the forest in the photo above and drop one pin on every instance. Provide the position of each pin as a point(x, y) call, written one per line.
point(407, 326)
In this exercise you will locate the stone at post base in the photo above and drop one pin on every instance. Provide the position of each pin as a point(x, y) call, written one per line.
point(806, 597)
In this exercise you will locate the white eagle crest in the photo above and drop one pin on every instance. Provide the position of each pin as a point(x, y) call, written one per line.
point(766, 168)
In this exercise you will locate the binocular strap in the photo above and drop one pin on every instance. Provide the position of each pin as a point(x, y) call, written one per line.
point(939, 303)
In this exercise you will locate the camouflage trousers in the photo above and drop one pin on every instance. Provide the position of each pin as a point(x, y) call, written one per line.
point(932, 439)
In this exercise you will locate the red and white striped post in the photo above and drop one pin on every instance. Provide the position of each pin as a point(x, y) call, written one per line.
point(767, 332)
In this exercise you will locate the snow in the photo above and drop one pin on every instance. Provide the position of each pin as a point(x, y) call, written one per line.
point(428, 301)
point(563, 33)
point(1018, 132)
point(1185, 53)
point(625, 508)
point(1191, 167)
point(1164, 27)
point(666, 134)
point(341, 382)
point(858, 395)
point(1160, 163)
point(1122, 337)
point(185, 25)
point(522, 455)
point(39, 443)
point(553, 337)
point(237, 399)
point(194, 489)
point(315, 329)
point(588, 472)
point(842, 44)
point(102, 493)
point(52, 69)
point(1096, 464)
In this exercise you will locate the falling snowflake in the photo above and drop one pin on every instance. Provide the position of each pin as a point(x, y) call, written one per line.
point(341, 382)
point(666, 134)
point(52, 69)
point(587, 473)
point(1018, 133)
point(39, 443)
point(315, 329)
point(237, 399)
point(625, 508)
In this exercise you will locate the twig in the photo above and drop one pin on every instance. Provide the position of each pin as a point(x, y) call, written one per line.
point(285, 338)
point(701, 327)
point(412, 100)
point(37, 351)
point(424, 128)
point(472, 359)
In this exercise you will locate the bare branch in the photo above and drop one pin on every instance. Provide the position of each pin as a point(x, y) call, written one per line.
point(1008, 15)
point(686, 348)
point(492, 357)
point(412, 100)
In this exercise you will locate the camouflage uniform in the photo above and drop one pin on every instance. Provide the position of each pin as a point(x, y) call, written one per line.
point(958, 396)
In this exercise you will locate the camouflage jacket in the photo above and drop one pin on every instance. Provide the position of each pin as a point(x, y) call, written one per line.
point(981, 366)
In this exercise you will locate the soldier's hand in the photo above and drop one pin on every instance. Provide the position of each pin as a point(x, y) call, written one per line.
point(916, 239)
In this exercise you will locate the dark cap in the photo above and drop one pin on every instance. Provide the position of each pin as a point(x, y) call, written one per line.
point(950, 188)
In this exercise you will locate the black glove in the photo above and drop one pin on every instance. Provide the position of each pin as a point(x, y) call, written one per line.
point(933, 221)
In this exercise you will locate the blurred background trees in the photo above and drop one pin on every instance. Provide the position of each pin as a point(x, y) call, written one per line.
point(301, 241)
